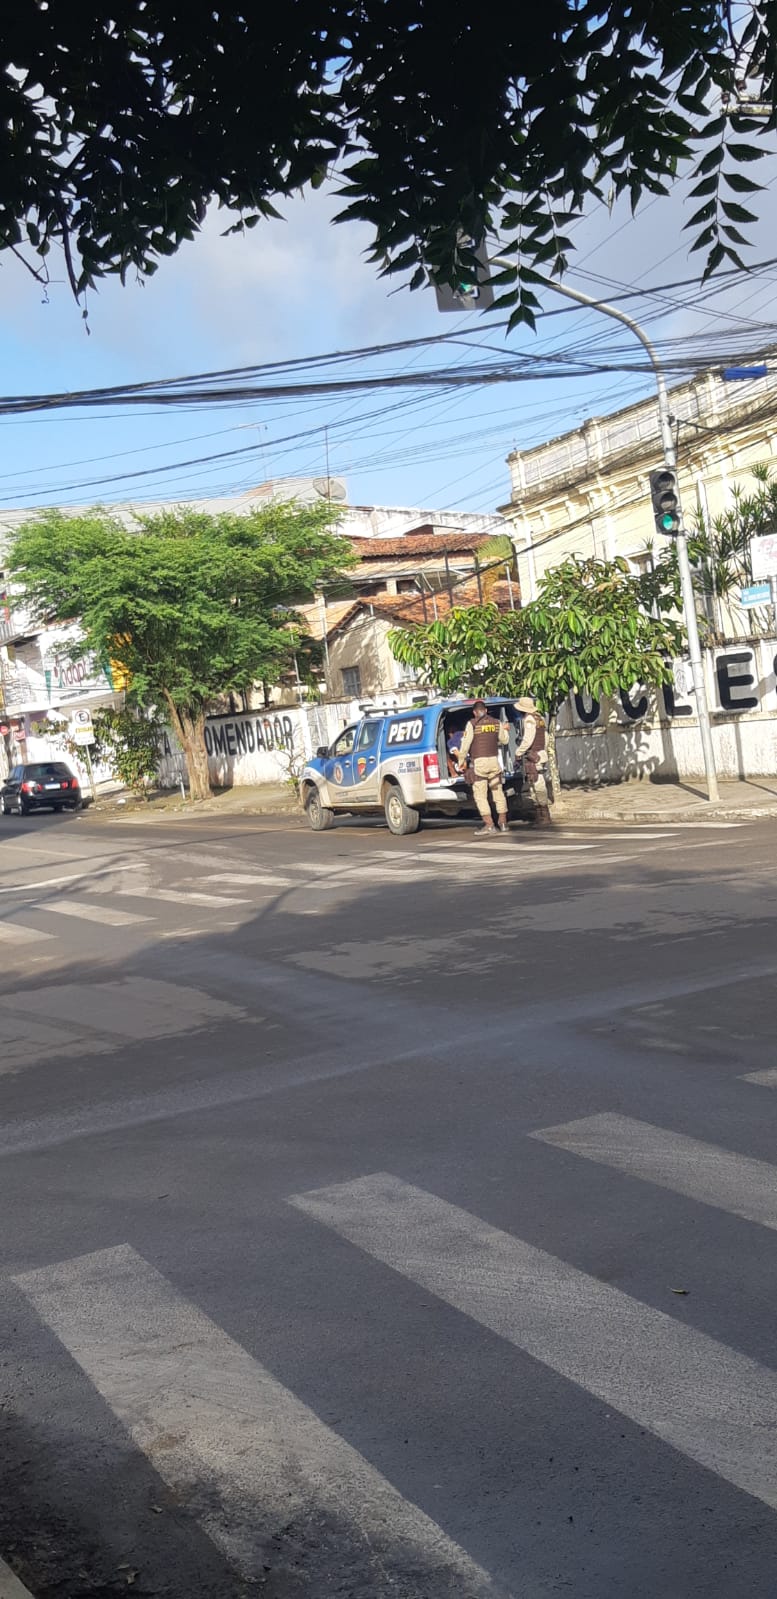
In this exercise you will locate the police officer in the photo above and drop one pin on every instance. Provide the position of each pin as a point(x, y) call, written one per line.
point(535, 758)
point(481, 740)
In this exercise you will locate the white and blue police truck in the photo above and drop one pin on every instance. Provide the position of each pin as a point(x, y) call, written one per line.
point(399, 763)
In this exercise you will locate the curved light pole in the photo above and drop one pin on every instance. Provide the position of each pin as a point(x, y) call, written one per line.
point(681, 539)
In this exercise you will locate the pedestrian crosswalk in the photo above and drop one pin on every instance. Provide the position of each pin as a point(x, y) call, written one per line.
point(705, 1172)
point(108, 915)
point(717, 1406)
point(255, 1464)
point(221, 887)
point(230, 1439)
point(125, 895)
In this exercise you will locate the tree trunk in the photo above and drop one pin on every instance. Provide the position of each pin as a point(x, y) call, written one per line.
point(552, 761)
point(190, 731)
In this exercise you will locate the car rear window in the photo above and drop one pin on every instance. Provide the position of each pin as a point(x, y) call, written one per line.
point(47, 769)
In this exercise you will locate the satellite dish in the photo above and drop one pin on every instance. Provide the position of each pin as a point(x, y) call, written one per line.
point(330, 488)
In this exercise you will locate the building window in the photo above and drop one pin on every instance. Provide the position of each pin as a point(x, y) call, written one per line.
point(352, 682)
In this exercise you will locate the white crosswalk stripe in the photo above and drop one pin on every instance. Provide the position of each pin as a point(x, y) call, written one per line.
point(764, 1079)
point(177, 896)
point(16, 933)
point(88, 912)
point(714, 1176)
point(240, 879)
point(248, 1457)
point(716, 1406)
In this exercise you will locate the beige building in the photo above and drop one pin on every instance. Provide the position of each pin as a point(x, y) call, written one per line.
point(399, 581)
point(587, 493)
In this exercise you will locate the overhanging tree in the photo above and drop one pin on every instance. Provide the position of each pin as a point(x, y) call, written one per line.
point(594, 628)
point(192, 606)
point(119, 124)
point(720, 546)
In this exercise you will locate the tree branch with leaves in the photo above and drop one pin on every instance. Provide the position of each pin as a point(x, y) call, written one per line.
point(192, 606)
point(441, 124)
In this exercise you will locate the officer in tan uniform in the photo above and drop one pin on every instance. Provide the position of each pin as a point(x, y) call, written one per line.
point(481, 740)
point(535, 758)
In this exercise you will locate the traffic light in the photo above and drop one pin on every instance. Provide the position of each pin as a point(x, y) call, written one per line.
point(666, 501)
point(473, 293)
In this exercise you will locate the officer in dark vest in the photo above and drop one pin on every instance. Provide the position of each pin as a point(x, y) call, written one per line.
point(535, 758)
point(481, 740)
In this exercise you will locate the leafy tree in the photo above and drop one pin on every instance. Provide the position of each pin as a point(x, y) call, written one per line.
point(120, 123)
point(594, 628)
point(129, 741)
point(193, 606)
point(720, 546)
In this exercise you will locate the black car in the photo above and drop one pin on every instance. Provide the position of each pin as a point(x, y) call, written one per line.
point(48, 785)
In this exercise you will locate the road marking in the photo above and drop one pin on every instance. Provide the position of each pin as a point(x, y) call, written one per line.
point(22, 935)
point(516, 846)
point(713, 1404)
point(634, 832)
point(92, 913)
point(765, 1079)
point(714, 1176)
point(10, 1586)
point(49, 882)
point(176, 896)
point(245, 1454)
point(265, 878)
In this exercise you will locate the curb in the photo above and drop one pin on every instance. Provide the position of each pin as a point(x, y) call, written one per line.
point(716, 813)
point(10, 1586)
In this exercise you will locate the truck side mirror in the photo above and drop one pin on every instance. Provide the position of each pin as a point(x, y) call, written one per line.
point(321, 752)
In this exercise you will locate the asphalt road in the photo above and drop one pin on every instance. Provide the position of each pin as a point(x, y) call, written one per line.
point(387, 1217)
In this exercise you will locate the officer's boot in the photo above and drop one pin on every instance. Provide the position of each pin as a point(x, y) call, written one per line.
point(542, 816)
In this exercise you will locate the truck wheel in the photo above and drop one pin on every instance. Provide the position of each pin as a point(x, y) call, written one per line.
point(319, 816)
point(401, 818)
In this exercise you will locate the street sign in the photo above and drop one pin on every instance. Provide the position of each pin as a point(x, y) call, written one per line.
point(81, 727)
point(763, 555)
point(743, 374)
point(756, 594)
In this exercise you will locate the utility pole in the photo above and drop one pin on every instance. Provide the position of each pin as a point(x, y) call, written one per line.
point(681, 539)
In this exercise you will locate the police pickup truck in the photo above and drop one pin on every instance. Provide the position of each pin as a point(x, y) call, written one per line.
point(398, 763)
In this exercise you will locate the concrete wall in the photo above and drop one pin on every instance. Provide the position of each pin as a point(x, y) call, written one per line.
point(259, 746)
point(640, 736)
point(656, 737)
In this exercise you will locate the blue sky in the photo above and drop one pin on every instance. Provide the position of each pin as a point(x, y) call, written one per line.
point(301, 287)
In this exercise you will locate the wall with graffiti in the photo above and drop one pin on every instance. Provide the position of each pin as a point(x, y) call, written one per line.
point(656, 736)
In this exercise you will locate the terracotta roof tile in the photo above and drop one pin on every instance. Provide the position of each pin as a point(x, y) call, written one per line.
point(408, 609)
point(417, 544)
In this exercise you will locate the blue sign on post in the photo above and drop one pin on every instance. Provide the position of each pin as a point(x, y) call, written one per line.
point(756, 594)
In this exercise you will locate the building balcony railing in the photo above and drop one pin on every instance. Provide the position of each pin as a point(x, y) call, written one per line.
point(13, 624)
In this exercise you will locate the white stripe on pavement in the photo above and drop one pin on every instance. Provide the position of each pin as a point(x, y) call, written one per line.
point(10, 1586)
point(713, 1404)
point(22, 935)
point(247, 1456)
point(177, 896)
point(48, 882)
point(714, 1176)
point(268, 879)
point(91, 913)
point(765, 1079)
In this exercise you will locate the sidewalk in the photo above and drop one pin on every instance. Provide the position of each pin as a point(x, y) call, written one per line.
point(669, 802)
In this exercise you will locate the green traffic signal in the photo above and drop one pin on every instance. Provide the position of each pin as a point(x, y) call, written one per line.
point(665, 495)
